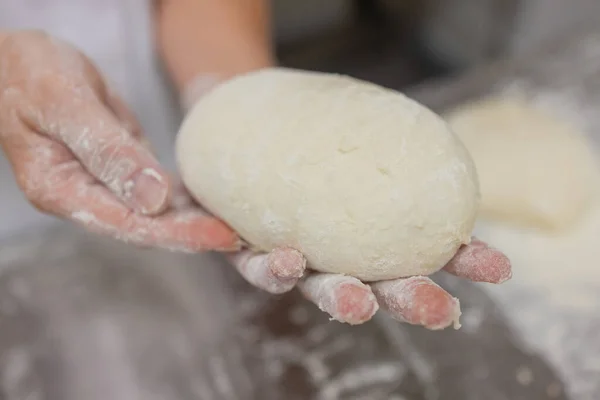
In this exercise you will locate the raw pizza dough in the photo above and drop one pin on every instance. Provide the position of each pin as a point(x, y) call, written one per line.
point(534, 169)
point(360, 179)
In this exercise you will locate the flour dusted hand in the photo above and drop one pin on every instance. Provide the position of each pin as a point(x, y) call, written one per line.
point(361, 180)
point(77, 151)
point(369, 187)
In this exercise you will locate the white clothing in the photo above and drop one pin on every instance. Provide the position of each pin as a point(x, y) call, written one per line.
point(117, 35)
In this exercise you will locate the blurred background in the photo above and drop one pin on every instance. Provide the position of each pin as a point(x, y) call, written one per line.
point(402, 42)
point(450, 55)
point(535, 337)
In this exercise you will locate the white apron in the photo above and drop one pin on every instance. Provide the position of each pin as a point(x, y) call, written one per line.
point(117, 35)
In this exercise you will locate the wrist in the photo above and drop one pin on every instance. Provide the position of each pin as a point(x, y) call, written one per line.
point(3, 35)
point(203, 82)
point(203, 43)
point(198, 87)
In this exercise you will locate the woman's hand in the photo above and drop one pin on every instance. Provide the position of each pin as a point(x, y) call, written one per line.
point(202, 43)
point(416, 300)
point(78, 153)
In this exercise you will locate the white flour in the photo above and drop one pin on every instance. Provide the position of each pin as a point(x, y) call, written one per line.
point(553, 298)
point(562, 267)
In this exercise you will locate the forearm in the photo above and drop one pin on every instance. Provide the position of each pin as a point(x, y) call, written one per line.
point(216, 39)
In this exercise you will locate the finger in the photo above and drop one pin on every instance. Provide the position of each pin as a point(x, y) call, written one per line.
point(189, 232)
point(345, 298)
point(276, 272)
point(124, 114)
point(57, 183)
point(479, 262)
point(105, 147)
point(418, 301)
point(127, 119)
point(180, 198)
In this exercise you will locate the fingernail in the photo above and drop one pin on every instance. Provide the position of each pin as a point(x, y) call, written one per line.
point(287, 263)
point(418, 301)
point(355, 304)
point(147, 191)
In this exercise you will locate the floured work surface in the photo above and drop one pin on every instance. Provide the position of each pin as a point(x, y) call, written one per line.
point(83, 318)
point(552, 299)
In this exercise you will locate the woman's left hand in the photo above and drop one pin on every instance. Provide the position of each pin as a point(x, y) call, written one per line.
point(416, 300)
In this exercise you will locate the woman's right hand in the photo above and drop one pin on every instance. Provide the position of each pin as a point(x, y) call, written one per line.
point(78, 153)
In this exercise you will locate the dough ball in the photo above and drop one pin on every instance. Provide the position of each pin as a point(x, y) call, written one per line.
point(360, 179)
point(534, 169)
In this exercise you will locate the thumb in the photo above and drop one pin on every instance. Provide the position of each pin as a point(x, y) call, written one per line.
point(108, 151)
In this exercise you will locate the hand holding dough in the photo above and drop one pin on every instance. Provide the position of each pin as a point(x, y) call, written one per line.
point(361, 180)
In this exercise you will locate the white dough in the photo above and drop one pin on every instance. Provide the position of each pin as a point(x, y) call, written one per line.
point(534, 169)
point(360, 179)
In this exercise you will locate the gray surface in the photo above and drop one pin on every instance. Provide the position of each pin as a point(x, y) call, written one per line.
point(540, 20)
point(463, 33)
point(86, 318)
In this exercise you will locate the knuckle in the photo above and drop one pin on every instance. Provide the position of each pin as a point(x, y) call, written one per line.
point(31, 42)
point(43, 183)
point(114, 168)
point(17, 48)
point(35, 59)
point(30, 179)
point(27, 76)
point(9, 122)
point(29, 35)
point(35, 191)
point(106, 152)
point(14, 41)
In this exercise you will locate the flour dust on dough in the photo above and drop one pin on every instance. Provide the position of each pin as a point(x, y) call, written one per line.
point(534, 168)
point(360, 179)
